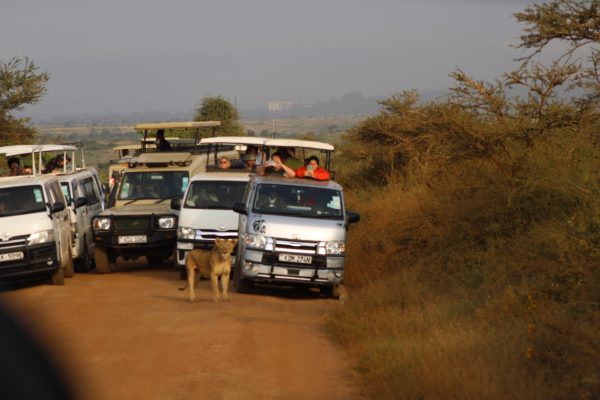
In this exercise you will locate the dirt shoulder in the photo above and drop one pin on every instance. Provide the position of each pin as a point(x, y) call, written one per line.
point(133, 335)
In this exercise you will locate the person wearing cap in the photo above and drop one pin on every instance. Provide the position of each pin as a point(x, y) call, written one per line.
point(250, 162)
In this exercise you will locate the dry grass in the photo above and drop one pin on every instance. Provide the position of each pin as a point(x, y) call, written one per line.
point(466, 282)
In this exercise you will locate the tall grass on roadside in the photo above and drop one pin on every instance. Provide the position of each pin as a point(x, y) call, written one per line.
point(475, 275)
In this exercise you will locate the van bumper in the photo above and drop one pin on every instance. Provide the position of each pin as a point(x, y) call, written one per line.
point(158, 242)
point(37, 259)
point(264, 266)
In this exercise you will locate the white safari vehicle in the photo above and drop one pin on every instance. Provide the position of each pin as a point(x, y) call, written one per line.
point(85, 199)
point(206, 212)
point(35, 236)
point(140, 221)
point(292, 231)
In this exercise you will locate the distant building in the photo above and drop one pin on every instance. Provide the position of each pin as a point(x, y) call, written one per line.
point(279, 106)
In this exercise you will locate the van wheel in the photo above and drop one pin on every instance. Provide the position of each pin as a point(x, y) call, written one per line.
point(241, 285)
point(103, 263)
point(85, 264)
point(331, 291)
point(58, 277)
point(69, 269)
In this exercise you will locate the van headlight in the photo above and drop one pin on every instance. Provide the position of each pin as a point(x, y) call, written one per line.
point(186, 233)
point(167, 222)
point(40, 237)
point(336, 247)
point(255, 241)
point(101, 223)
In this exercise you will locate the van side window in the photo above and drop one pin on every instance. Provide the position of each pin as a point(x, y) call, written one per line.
point(55, 193)
point(91, 193)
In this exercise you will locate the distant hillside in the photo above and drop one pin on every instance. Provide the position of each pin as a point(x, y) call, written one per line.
point(349, 104)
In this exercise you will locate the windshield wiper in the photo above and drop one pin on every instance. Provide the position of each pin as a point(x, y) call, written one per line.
point(165, 198)
point(134, 200)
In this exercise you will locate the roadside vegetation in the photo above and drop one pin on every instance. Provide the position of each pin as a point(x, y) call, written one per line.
point(475, 269)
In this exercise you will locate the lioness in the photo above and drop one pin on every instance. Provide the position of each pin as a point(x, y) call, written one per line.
point(214, 263)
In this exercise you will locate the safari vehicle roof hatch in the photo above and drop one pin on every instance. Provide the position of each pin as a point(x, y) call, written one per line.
point(160, 159)
point(268, 145)
point(196, 125)
point(306, 144)
point(36, 150)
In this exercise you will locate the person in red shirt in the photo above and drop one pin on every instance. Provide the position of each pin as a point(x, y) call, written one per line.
point(313, 170)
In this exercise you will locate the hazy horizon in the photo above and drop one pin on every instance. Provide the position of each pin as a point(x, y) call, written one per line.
point(137, 56)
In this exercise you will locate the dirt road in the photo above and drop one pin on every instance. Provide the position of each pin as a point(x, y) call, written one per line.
point(133, 335)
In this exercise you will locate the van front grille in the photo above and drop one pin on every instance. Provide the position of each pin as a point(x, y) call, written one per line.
point(296, 247)
point(132, 224)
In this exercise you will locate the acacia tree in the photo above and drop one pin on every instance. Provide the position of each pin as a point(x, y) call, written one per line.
point(20, 84)
point(217, 108)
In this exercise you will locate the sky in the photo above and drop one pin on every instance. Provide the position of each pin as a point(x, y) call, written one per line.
point(124, 56)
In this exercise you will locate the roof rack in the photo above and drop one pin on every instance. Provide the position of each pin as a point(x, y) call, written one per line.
point(33, 149)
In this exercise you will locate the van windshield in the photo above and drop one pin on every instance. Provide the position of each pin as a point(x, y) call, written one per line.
point(298, 201)
point(21, 200)
point(153, 185)
point(215, 194)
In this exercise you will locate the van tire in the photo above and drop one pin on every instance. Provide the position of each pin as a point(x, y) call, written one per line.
point(331, 291)
point(69, 268)
point(241, 285)
point(85, 263)
point(58, 277)
point(103, 263)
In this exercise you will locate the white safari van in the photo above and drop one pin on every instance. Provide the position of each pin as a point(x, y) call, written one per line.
point(207, 206)
point(85, 199)
point(293, 231)
point(35, 234)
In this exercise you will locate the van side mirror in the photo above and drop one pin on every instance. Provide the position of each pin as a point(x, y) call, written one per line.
point(56, 207)
point(80, 201)
point(176, 203)
point(105, 188)
point(353, 217)
point(240, 208)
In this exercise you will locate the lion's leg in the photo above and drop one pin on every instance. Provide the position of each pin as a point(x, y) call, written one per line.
point(214, 282)
point(191, 282)
point(225, 285)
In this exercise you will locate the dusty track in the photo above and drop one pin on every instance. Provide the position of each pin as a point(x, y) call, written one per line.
point(133, 335)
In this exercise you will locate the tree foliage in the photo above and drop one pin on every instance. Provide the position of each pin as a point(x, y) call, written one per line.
point(20, 84)
point(217, 108)
point(483, 210)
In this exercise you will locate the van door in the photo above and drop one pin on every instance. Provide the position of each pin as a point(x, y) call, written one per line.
point(60, 221)
point(89, 186)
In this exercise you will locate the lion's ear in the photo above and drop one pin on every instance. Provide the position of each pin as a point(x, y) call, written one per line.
point(217, 240)
point(233, 241)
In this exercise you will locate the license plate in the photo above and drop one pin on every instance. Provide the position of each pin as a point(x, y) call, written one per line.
point(17, 255)
point(133, 239)
point(293, 258)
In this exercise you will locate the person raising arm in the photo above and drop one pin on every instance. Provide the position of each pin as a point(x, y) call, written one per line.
point(313, 170)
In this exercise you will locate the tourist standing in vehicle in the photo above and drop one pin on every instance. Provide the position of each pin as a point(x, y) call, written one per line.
point(161, 143)
point(14, 166)
point(224, 163)
point(313, 170)
point(250, 163)
point(276, 167)
point(290, 158)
